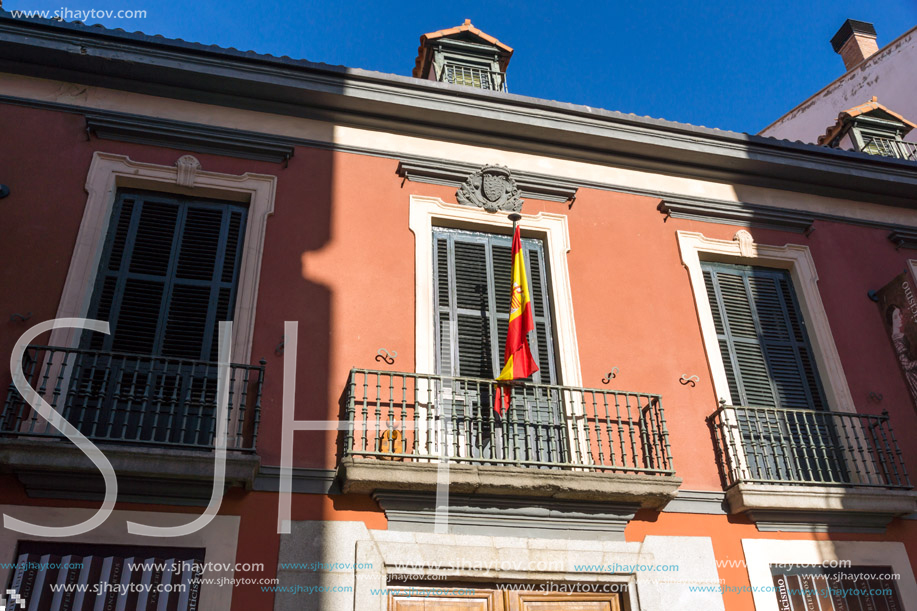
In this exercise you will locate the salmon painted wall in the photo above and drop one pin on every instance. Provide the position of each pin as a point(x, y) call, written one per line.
point(339, 258)
point(633, 302)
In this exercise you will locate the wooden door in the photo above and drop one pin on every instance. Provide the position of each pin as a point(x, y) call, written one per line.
point(557, 601)
point(495, 600)
point(481, 600)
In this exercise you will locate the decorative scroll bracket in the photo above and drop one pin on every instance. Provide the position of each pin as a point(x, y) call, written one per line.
point(188, 166)
point(746, 243)
point(385, 356)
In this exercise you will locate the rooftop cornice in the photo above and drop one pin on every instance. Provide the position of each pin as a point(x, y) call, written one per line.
point(244, 79)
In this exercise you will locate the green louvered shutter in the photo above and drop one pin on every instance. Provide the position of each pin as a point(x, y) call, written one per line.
point(769, 363)
point(473, 273)
point(766, 352)
point(473, 278)
point(167, 275)
point(166, 278)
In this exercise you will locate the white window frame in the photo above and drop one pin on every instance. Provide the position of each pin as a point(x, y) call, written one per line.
point(797, 259)
point(110, 172)
point(429, 212)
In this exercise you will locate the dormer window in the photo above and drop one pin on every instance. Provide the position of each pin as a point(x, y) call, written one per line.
point(872, 129)
point(473, 76)
point(887, 145)
point(465, 56)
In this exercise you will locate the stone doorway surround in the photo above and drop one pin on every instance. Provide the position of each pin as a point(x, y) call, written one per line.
point(356, 561)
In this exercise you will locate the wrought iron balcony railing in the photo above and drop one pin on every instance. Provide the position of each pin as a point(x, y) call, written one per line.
point(473, 77)
point(801, 446)
point(889, 147)
point(134, 398)
point(417, 417)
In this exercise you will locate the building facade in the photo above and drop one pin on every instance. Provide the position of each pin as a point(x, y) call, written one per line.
point(719, 419)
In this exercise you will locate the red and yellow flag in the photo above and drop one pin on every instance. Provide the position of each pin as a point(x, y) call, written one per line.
point(517, 356)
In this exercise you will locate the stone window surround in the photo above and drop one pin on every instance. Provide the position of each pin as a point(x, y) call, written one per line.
point(795, 258)
point(219, 538)
point(428, 212)
point(761, 553)
point(109, 172)
point(389, 552)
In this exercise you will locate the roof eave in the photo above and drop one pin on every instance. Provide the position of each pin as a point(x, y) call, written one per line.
point(436, 110)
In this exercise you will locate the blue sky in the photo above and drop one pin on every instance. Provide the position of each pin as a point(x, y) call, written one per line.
point(729, 64)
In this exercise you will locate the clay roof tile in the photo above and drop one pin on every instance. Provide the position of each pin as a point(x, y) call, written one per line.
point(467, 26)
point(844, 116)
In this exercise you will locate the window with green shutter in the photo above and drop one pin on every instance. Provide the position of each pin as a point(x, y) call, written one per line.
point(473, 273)
point(166, 279)
point(762, 337)
point(473, 280)
point(769, 363)
point(168, 275)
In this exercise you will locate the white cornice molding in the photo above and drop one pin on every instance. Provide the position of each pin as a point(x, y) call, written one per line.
point(383, 102)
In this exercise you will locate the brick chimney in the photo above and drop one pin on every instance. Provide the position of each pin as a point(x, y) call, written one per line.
point(855, 41)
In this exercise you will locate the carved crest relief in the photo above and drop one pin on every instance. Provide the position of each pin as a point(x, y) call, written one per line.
point(492, 188)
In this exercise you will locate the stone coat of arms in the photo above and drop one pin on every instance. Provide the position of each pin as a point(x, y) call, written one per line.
point(492, 188)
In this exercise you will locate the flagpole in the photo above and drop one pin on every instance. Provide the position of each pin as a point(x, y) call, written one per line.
point(503, 391)
point(515, 217)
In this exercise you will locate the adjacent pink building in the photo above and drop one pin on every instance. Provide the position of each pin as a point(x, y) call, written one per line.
point(885, 73)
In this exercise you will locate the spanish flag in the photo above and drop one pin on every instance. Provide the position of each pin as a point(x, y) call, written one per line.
point(517, 355)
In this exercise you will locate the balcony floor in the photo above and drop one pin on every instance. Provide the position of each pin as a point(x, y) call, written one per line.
point(808, 508)
point(55, 468)
point(366, 476)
